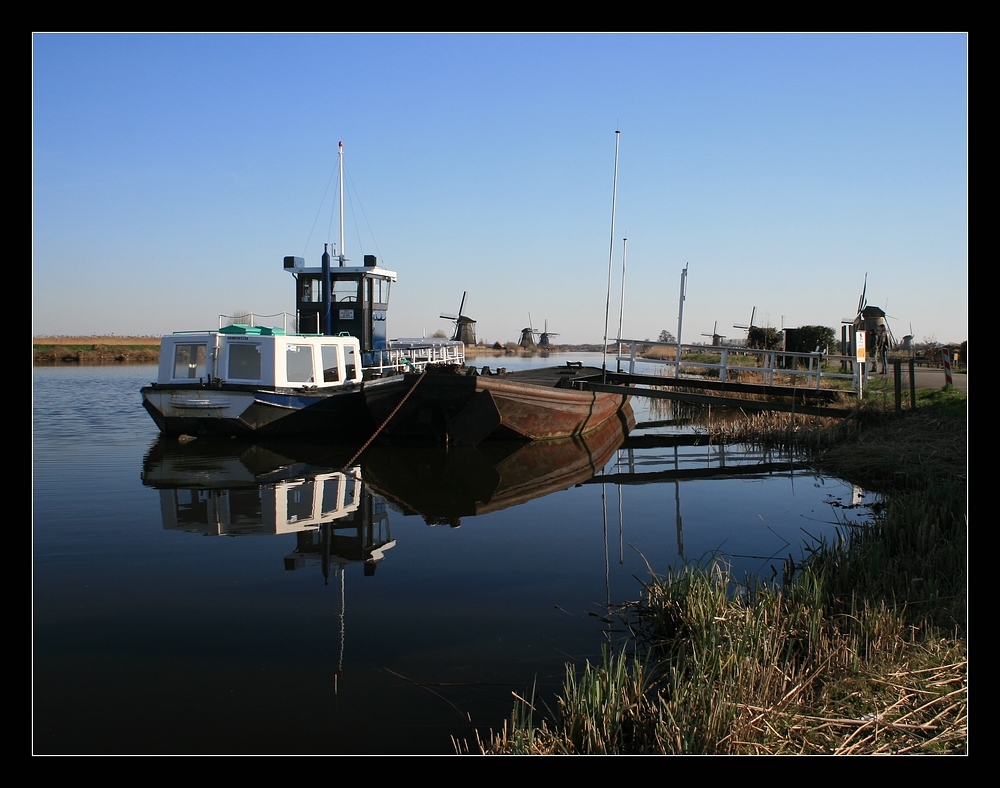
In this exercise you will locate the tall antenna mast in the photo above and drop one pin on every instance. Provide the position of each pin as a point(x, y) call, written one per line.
point(611, 255)
point(340, 156)
point(680, 319)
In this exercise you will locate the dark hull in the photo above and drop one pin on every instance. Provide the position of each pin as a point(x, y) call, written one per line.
point(233, 411)
point(465, 409)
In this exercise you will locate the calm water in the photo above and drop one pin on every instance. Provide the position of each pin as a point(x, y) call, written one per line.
point(221, 599)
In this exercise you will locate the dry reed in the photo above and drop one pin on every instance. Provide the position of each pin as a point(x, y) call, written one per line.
point(860, 650)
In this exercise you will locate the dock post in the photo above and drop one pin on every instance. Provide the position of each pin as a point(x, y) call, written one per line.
point(897, 380)
point(913, 385)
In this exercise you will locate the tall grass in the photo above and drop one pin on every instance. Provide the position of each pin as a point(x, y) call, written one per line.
point(859, 649)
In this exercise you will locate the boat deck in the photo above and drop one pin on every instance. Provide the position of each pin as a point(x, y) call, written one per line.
point(553, 377)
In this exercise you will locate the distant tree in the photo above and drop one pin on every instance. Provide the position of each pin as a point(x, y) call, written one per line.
point(807, 338)
point(439, 334)
point(930, 347)
point(666, 336)
point(763, 338)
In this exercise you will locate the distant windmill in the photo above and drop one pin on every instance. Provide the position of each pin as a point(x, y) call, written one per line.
point(543, 341)
point(465, 327)
point(750, 326)
point(907, 343)
point(527, 340)
point(717, 338)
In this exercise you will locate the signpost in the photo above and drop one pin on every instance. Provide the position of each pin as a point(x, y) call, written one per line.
point(861, 362)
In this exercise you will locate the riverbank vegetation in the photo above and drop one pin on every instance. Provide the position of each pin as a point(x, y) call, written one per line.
point(856, 646)
point(95, 350)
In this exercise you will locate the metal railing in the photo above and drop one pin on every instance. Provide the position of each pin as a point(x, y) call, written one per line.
point(411, 357)
point(807, 366)
point(251, 319)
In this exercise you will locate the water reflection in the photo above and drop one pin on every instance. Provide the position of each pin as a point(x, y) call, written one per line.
point(338, 511)
point(232, 489)
point(337, 504)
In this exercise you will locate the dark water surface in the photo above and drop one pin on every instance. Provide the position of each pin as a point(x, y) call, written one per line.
point(221, 599)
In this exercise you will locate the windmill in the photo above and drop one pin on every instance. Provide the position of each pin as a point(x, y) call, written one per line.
point(907, 343)
point(868, 319)
point(527, 340)
point(543, 340)
point(465, 327)
point(717, 338)
point(749, 327)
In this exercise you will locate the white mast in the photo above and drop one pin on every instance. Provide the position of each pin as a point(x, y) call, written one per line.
point(340, 156)
point(680, 319)
point(611, 255)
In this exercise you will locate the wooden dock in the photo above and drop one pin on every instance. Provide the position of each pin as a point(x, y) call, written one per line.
point(786, 399)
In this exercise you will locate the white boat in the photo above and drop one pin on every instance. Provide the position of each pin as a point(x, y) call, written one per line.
point(254, 380)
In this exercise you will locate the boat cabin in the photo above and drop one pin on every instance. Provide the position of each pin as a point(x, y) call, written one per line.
point(259, 356)
point(336, 298)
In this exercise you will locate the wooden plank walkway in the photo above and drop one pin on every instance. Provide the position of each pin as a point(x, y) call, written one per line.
point(793, 400)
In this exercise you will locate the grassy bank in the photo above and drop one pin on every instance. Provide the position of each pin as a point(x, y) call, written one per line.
point(95, 350)
point(860, 647)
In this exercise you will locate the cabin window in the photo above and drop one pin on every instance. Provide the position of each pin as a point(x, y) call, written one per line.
point(298, 364)
point(312, 290)
point(345, 290)
point(244, 361)
point(299, 503)
point(378, 291)
point(189, 361)
point(331, 363)
point(332, 498)
point(350, 362)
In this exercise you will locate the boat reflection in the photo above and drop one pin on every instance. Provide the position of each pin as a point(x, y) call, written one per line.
point(445, 485)
point(226, 488)
point(337, 505)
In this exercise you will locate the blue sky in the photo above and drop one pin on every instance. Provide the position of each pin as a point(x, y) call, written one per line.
point(172, 173)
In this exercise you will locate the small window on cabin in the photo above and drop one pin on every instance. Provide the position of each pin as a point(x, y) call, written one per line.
point(299, 500)
point(350, 362)
point(352, 490)
point(189, 361)
point(332, 498)
point(378, 291)
point(312, 290)
point(345, 290)
point(244, 361)
point(298, 364)
point(331, 363)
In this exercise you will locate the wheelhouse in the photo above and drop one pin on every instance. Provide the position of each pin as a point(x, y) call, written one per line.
point(335, 299)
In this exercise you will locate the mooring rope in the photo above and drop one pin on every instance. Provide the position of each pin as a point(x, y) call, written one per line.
point(395, 410)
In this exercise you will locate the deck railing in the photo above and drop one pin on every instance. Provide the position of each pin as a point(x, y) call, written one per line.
point(288, 324)
point(414, 356)
point(808, 367)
